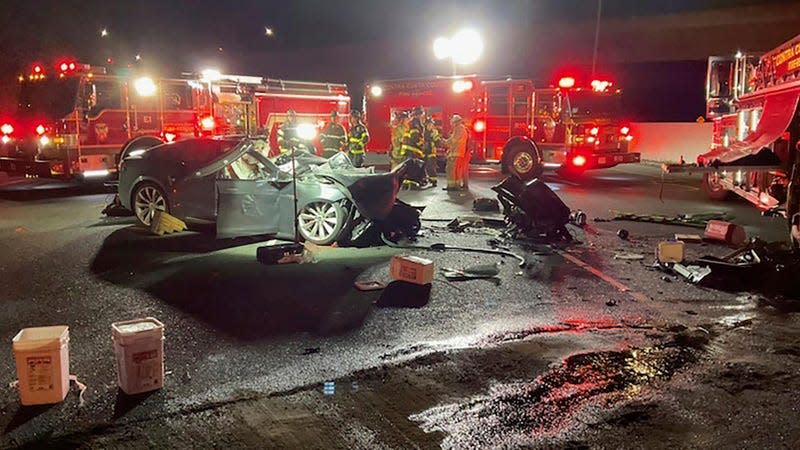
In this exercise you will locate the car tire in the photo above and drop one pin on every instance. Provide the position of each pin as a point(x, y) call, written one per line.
point(713, 189)
point(521, 159)
point(321, 222)
point(148, 198)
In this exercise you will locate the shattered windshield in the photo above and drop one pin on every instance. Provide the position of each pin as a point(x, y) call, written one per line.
point(53, 98)
point(595, 104)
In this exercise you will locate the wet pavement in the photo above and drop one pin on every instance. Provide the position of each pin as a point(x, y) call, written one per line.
point(294, 357)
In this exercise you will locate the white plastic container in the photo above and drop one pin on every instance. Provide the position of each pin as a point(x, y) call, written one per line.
point(42, 357)
point(139, 352)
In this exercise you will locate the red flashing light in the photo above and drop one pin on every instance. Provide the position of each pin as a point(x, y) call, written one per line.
point(594, 130)
point(479, 126)
point(64, 67)
point(579, 161)
point(7, 128)
point(71, 66)
point(624, 131)
point(37, 69)
point(40, 129)
point(566, 82)
point(170, 137)
point(207, 123)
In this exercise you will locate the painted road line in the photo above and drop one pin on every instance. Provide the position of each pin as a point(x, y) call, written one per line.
point(638, 296)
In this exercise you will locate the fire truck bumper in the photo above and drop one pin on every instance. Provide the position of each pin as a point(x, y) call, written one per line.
point(604, 160)
point(21, 166)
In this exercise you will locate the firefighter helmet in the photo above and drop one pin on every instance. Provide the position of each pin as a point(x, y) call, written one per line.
point(418, 111)
point(355, 113)
point(291, 113)
point(456, 118)
point(334, 114)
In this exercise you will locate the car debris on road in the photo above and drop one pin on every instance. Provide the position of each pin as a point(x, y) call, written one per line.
point(689, 220)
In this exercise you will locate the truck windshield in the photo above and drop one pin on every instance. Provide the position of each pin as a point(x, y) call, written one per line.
point(595, 104)
point(52, 98)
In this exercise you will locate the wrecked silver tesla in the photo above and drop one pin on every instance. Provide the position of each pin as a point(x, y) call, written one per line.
point(230, 182)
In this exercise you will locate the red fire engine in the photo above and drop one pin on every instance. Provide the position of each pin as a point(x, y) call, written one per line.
point(752, 101)
point(570, 127)
point(75, 120)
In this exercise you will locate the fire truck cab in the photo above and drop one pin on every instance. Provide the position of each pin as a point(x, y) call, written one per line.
point(78, 121)
point(524, 128)
point(752, 100)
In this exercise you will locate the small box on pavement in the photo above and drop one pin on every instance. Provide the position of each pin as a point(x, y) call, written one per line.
point(139, 352)
point(670, 251)
point(720, 230)
point(412, 269)
point(42, 357)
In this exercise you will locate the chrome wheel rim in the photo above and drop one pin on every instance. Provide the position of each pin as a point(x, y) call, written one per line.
point(523, 162)
point(318, 221)
point(148, 201)
point(712, 180)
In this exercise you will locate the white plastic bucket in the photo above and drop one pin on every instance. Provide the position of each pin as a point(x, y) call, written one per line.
point(42, 357)
point(139, 352)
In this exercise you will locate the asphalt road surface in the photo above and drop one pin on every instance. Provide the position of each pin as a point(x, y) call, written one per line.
point(576, 349)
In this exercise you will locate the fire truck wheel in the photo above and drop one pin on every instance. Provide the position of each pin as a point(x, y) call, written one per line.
point(521, 159)
point(138, 143)
point(147, 199)
point(713, 188)
point(321, 222)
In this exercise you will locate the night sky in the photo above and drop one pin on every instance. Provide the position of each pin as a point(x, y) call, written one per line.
point(178, 36)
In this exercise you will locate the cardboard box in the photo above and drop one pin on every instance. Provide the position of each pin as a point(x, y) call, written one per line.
point(719, 230)
point(670, 251)
point(412, 269)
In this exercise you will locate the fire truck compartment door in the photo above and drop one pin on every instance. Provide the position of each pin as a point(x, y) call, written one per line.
point(775, 119)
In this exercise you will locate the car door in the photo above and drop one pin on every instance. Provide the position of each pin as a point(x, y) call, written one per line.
point(194, 197)
point(247, 207)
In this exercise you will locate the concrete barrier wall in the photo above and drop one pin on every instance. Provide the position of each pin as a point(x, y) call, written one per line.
point(668, 141)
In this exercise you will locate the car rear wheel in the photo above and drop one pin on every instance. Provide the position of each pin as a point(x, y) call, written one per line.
point(147, 199)
point(713, 188)
point(321, 222)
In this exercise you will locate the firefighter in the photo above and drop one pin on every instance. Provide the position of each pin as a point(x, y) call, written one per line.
point(413, 141)
point(287, 133)
point(456, 154)
point(333, 136)
point(359, 136)
point(432, 141)
point(398, 130)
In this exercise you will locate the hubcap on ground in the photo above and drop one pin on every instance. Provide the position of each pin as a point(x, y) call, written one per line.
point(148, 201)
point(318, 221)
point(523, 162)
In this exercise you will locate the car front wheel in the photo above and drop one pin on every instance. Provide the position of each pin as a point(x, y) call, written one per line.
point(147, 199)
point(321, 222)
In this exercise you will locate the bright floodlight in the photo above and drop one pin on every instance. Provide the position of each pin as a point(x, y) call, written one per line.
point(466, 47)
point(210, 75)
point(441, 48)
point(306, 131)
point(145, 86)
point(376, 91)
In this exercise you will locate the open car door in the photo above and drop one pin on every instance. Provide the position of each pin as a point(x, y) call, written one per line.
point(247, 193)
